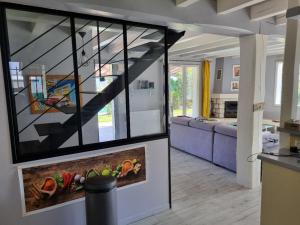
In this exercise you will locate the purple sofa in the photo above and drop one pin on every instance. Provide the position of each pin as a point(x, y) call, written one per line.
point(215, 142)
point(192, 136)
point(224, 149)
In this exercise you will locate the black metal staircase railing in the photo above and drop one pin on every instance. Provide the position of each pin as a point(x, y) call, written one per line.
point(68, 75)
point(39, 36)
point(82, 82)
point(100, 100)
point(54, 47)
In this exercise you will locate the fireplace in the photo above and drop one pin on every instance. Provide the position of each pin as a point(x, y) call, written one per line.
point(230, 110)
point(218, 107)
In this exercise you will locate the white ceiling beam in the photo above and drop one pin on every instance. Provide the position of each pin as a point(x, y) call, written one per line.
point(272, 49)
point(205, 51)
point(268, 9)
point(229, 6)
point(230, 53)
point(217, 54)
point(199, 41)
point(205, 46)
point(185, 3)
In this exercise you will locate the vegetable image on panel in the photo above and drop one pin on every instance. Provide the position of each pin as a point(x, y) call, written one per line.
point(58, 183)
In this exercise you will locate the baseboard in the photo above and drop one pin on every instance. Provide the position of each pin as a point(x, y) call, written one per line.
point(144, 215)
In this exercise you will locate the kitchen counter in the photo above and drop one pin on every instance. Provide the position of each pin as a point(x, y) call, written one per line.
point(292, 163)
point(280, 201)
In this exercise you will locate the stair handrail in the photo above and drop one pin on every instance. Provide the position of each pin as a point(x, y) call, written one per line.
point(113, 57)
point(38, 37)
point(49, 50)
point(22, 110)
point(64, 59)
point(64, 96)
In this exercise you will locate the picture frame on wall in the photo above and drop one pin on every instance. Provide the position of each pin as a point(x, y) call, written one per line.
point(236, 71)
point(235, 85)
point(219, 74)
point(51, 90)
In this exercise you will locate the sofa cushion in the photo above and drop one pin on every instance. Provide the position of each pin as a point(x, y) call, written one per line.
point(270, 140)
point(182, 120)
point(226, 130)
point(200, 124)
point(224, 151)
point(194, 141)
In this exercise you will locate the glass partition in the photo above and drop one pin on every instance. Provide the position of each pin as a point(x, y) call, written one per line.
point(42, 71)
point(77, 82)
point(146, 88)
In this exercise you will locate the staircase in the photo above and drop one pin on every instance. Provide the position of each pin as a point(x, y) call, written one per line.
point(56, 134)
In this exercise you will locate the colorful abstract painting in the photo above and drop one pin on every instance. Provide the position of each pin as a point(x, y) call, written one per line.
point(51, 90)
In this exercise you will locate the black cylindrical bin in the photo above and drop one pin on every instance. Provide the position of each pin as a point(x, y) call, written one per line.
point(101, 200)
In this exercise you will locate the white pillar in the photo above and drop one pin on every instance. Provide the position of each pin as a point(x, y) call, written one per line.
point(290, 77)
point(252, 92)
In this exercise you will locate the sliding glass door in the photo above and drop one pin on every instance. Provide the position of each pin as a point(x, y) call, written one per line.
point(183, 90)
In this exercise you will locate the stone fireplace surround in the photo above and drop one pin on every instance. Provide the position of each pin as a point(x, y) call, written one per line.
point(218, 103)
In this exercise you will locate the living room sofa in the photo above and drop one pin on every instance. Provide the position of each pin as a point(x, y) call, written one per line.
point(212, 141)
point(192, 136)
point(224, 148)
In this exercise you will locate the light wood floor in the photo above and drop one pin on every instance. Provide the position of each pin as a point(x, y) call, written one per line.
point(204, 194)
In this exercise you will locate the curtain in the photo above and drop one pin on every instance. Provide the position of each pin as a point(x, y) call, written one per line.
point(206, 89)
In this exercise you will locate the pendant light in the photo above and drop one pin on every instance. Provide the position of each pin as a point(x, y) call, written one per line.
point(83, 58)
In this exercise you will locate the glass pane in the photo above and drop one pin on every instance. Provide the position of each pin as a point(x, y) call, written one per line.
point(146, 78)
point(41, 70)
point(102, 90)
point(191, 75)
point(176, 91)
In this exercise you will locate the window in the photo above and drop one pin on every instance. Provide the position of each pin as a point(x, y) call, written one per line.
point(183, 90)
point(278, 82)
point(80, 83)
point(16, 75)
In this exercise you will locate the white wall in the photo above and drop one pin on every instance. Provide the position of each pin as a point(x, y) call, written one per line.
point(148, 99)
point(271, 111)
point(224, 84)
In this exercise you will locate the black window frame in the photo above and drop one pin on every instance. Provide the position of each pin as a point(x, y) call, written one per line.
point(11, 108)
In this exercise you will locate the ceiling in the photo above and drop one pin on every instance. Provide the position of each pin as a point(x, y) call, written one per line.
point(211, 44)
point(207, 45)
point(209, 38)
